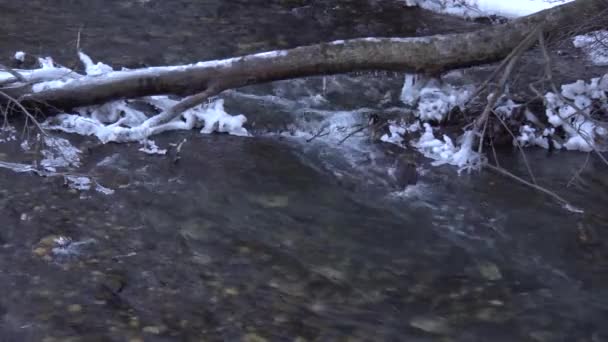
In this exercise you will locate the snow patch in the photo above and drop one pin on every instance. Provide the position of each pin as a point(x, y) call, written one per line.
point(431, 98)
point(572, 112)
point(150, 147)
point(8, 133)
point(595, 45)
point(397, 131)
point(20, 56)
point(59, 153)
point(215, 119)
point(482, 8)
point(84, 183)
point(445, 152)
point(93, 69)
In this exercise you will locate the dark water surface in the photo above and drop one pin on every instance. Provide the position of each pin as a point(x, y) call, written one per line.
point(268, 239)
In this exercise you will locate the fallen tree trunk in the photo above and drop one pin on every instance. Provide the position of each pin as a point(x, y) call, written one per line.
point(431, 54)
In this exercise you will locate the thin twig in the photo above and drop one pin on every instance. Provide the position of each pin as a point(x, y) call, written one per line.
point(363, 127)
point(518, 145)
point(525, 182)
point(579, 171)
point(494, 151)
point(318, 134)
point(24, 110)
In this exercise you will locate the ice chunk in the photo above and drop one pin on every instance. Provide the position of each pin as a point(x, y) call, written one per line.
point(78, 182)
point(410, 93)
point(395, 135)
point(433, 99)
point(445, 152)
point(571, 111)
point(150, 147)
point(215, 119)
point(59, 153)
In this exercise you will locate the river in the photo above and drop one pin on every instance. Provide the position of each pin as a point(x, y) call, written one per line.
point(271, 237)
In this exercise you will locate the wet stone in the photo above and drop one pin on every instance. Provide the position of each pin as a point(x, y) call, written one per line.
point(154, 330)
point(231, 291)
point(542, 336)
point(431, 324)
point(490, 271)
point(74, 308)
point(272, 201)
point(253, 337)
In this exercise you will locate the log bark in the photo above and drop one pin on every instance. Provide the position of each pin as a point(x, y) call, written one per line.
point(432, 54)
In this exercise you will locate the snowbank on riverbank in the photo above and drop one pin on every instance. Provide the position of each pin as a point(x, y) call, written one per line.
point(483, 8)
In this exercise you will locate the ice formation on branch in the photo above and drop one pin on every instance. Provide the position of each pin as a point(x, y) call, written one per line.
point(576, 118)
point(432, 99)
point(118, 121)
point(110, 125)
point(445, 152)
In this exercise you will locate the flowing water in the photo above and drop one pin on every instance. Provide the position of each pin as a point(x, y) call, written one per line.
point(273, 238)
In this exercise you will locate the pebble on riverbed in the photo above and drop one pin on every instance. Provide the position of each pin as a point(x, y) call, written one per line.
point(44, 248)
point(431, 324)
point(490, 271)
point(253, 337)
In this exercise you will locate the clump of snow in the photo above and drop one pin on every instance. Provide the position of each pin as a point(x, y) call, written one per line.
point(595, 45)
point(20, 56)
point(481, 8)
point(84, 183)
point(397, 130)
point(7, 133)
point(54, 76)
point(505, 108)
point(78, 182)
point(25, 145)
point(91, 68)
point(215, 119)
point(528, 136)
point(150, 147)
point(117, 113)
point(445, 152)
point(395, 135)
point(572, 112)
point(431, 98)
point(59, 153)
point(65, 246)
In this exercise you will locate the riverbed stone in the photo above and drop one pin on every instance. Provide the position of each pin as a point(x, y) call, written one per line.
point(253, 337)
point(431, 324)
point(490, 271)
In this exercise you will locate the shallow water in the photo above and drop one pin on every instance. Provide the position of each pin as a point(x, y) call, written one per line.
point(272, 238)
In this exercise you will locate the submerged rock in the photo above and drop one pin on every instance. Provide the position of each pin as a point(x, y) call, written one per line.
point(431, 324)
point(406, 172)
point(490, 271)
point(272, 201)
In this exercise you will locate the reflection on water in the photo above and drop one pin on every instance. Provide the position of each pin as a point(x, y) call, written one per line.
point(268, 239)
